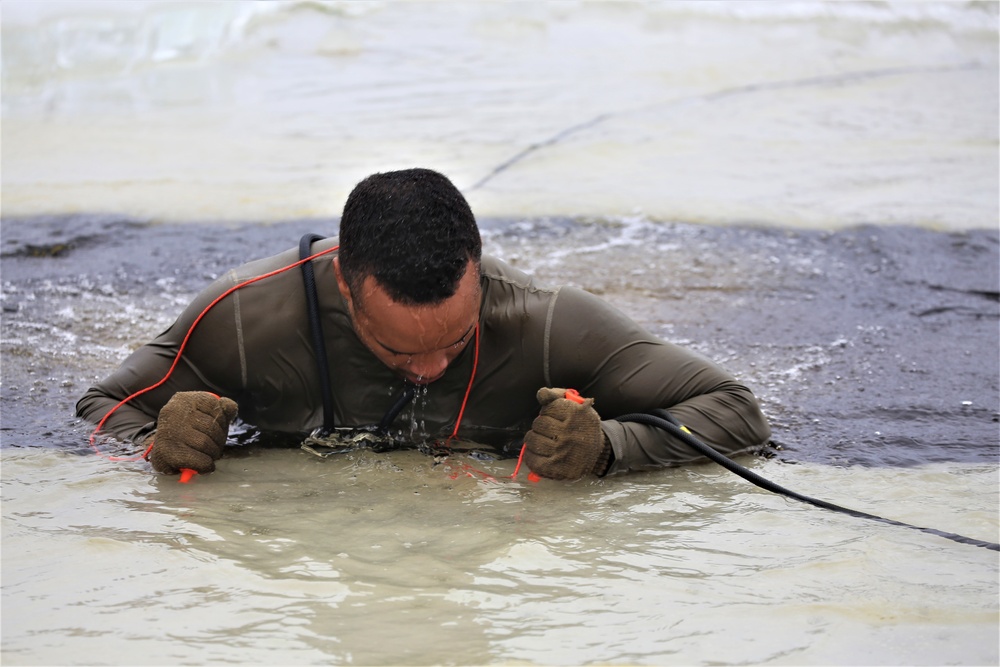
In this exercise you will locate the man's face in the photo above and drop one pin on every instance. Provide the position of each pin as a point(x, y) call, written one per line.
point(418, 342)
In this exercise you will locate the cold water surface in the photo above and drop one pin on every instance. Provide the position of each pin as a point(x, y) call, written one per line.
point(284, 558)
point(871, 349)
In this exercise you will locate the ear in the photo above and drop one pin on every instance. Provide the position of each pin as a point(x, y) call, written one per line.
point(345, 290)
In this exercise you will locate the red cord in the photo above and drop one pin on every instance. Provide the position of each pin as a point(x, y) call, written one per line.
point(468, 389)
point(519, 459)
point(180, 351)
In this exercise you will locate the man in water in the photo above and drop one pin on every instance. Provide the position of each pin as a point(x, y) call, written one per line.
point(407, 301)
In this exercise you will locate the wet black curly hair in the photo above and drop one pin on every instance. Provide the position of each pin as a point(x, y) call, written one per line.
point(411, 230)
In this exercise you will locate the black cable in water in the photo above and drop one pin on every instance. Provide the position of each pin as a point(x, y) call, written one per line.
point(663, 419)
point(405, 396)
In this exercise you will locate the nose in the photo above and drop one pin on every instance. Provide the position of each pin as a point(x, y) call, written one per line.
point(424, 368)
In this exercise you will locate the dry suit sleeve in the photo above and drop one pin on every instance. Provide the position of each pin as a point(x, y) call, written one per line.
point(210, 362)
point(605, 355)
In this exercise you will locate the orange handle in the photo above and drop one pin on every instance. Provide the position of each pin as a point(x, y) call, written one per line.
point(187, 474)
point(572, 395)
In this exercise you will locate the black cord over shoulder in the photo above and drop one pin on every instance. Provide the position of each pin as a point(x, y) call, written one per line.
point(316, 327)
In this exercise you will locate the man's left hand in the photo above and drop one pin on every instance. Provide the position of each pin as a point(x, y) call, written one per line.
point(566, 440)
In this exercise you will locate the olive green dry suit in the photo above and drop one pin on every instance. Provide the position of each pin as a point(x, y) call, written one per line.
point(254, 346)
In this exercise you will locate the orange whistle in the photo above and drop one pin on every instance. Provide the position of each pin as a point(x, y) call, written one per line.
point(574, 395)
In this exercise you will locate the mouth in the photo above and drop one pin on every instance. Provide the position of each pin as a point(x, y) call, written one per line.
point(422, 379)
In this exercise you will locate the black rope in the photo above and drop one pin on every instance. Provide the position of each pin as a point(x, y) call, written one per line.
point(662, 419)
point(316, 327)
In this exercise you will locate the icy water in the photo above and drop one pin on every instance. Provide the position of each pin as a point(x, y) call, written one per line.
point(806, 193)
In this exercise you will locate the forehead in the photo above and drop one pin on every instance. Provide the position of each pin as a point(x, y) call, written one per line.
point(420, 328)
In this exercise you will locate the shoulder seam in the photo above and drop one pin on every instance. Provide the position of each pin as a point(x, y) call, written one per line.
point(239, 331)
point(546, 371)
point(508, 281)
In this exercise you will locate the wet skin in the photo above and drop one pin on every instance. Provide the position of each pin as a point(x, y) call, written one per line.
point(417, 341)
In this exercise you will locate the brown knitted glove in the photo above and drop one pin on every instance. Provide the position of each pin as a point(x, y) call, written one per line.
point(565, 440)
point(191, 431)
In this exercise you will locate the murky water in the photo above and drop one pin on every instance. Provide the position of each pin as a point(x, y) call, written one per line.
point(593, 140)
point(284, 558)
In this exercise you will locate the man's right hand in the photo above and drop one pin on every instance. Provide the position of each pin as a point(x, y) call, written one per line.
point(191, 431)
